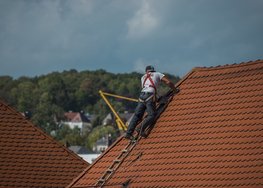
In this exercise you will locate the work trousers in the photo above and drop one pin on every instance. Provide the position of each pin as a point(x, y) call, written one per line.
point(149, 107)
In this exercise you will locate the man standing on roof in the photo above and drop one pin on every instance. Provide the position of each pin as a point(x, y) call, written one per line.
point(149, 81)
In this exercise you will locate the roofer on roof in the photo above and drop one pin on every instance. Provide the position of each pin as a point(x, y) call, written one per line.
point(149, 81)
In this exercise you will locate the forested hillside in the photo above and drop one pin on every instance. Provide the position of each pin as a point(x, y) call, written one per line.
point(47, 97)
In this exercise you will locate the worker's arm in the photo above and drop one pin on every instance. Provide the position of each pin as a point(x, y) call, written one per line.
point(169, 83)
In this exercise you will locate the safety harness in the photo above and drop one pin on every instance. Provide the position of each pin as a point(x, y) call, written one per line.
point(148, 76)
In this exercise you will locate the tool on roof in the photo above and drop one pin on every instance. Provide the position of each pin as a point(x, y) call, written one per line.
point(118, 120)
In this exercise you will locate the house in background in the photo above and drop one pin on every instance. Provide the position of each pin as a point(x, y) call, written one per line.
point(85, 153)
point(110, 119)
point(209, 135)
point(31, 158)
point(102, 144)
point(77, 119)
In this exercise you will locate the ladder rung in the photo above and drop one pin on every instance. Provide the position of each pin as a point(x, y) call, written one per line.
point(109, 170)
point(101, 180)
point(117, 160)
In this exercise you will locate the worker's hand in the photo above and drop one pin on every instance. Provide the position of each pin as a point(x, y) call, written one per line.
point(170, 84)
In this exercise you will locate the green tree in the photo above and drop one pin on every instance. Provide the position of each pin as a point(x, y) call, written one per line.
point(6, 85)
point(69, 136)
point(26, 95)
point(56, 89)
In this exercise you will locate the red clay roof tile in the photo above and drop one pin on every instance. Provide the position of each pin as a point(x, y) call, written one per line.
point(30, 158)
point(210, 135)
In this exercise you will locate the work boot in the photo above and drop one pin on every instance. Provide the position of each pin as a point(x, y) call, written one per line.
point(128, 136)
point(143, 134)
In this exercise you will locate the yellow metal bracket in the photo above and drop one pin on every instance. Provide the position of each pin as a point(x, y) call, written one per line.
point(119, 122)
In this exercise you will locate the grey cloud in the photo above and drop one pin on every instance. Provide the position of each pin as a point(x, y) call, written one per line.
point(37, 37)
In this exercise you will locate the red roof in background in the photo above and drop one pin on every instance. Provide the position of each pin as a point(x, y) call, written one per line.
point(76, 117)
point(30, 158)
point(210, 135)
point(70, 115)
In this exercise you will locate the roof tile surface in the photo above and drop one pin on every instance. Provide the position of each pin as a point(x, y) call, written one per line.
point(210, 135)
point(30, 158)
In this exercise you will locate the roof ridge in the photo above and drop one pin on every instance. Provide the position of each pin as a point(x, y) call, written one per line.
point(248, 63)
point(43, 133)
point(196, 69)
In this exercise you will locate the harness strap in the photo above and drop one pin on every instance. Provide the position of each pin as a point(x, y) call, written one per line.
point(141, 100)
point(148, 76)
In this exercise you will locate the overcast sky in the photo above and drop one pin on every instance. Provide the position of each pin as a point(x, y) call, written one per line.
point(41, 36)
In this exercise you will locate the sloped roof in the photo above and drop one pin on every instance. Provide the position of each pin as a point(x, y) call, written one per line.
point(210, 135)
point(30, 158)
